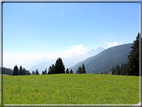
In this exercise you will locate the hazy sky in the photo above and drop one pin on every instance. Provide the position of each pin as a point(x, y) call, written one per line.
point(35, 30)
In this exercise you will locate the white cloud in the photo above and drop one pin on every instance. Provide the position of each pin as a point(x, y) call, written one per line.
point(109, 44)
point(10, 60)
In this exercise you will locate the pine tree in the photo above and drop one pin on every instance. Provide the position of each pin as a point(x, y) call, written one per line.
point(37, 73)
point(113, 71)
point(59, 66)
point(24, 71)
point(15, 71)
point(83, 68)
point(49, 70)
point(117, 70)
point(21, 71)
point(67, 71)
point(79, 71)
point(53, 69)
point(133, 58)
point(71, 72)
point(33, 73)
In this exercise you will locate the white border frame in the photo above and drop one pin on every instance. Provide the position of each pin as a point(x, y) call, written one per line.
point(70, 1)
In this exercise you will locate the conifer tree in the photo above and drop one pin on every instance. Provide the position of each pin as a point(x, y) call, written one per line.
point(133, 58)
point(33, 73)
point(79, 71)
point(49, 70)
point(21, 71)
point(67, 71)
point(59, 66)
point(53, 69)
point(113, 71)
point(24, 71)
point(15, 71)
point(83, 68)
point(37, 73)
point(71, 72)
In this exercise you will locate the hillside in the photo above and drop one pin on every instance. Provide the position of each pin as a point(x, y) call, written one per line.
point(68, 62)
point(103, 61)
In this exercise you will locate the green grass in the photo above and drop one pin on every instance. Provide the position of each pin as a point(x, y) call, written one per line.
point(71, 89)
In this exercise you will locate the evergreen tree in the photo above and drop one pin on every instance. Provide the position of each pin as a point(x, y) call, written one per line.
point(133, 58)
point(71, 72)
point(79, 71)
point(24, 71)
point(59, 66)
point(37, 73)
point(117, 70)
point(53, 69)
point(67, 71)
point(83, 68)
point(44, 72)
point(21, 71)
point(33, 73)
point(15, 71)
point(49, 70)
point(113, 71)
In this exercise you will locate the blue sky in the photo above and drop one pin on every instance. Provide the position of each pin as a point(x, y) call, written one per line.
point(35, 30)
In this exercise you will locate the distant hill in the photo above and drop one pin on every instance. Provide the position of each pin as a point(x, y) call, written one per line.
point(103, 61)
point(43, 63)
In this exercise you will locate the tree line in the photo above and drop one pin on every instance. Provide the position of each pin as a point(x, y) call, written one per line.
point(132, 66)
point(119, 70)
point(57, 68)
point(21, 71)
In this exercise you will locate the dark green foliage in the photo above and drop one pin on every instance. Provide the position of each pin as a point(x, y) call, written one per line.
point(15, 71)
point(113, 71)
point(71, 72)
point(133, 58)
point(27, 73)
point(83, 68)
point(33, 73)
point(37, 73)
point(79, 71)
point(101, 72)
point(67, 71)
point(59, 66)
point(119, 70)
point(44, 72)
point(53, 69)
point(6, 71)
point(24, 71)
point(49, 70)
point(21, 71)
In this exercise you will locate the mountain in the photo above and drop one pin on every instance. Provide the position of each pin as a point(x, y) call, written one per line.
point(105, 60)
point(43, 63)
point(93, 52)
point(42, 66)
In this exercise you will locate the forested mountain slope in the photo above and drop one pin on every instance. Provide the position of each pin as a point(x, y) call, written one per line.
point(103, 61)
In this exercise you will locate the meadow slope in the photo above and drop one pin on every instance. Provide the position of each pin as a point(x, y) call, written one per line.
point(71, 89)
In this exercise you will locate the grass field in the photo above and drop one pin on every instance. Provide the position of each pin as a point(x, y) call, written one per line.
point(71, 89)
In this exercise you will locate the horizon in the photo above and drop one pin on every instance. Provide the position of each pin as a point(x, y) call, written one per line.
point(54, 30)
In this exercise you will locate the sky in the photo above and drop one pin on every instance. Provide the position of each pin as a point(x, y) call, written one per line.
point(35, 30)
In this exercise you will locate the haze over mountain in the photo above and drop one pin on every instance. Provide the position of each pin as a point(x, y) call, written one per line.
point(105, 60)
point(43, 63)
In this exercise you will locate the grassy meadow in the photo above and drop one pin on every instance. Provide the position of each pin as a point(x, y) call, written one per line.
point(71, 89)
